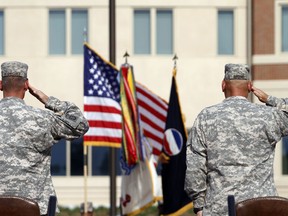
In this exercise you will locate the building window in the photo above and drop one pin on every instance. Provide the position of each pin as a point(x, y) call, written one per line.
point(58, 36)
point(1, 32)
point(225, 32)
point(101, 161)
point(58, 160)
point(62, 150)
point(142, 32)
point(153, 41)
point(284, 29)
point(164, 32)
point(68, 159)
point(285, 155)
point(79, 23)
point(76, 157)
point(57, 32)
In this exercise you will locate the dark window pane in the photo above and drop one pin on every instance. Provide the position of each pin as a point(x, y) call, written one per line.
point(58, 160)
point(101, 161)
point(77, 159)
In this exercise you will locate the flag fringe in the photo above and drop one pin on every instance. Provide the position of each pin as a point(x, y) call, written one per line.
point(136, 212)
point(181, 211)
point(102, 144)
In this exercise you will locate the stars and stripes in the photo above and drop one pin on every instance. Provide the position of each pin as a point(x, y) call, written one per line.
point(153, 113)
point(101, 101)
point(103, 110)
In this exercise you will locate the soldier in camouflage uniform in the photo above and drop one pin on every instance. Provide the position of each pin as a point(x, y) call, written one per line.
point(230, 148)
point(27, 135)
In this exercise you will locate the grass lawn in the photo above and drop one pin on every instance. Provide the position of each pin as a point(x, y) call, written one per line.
point(103, 211)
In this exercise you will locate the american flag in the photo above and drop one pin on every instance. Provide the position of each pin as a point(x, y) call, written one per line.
point(103, 111)
point(153, 113)
point(101, 101)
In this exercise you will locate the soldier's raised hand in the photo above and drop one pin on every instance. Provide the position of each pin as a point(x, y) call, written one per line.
point(43, 98)
point(261, 95)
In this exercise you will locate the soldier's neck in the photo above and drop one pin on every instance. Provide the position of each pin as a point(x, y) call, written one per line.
point(14, 94)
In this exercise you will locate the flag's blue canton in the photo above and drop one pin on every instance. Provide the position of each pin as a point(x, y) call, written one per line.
point(100, 78)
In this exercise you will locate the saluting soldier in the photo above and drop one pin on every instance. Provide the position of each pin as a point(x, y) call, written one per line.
point(27, 135)
point(230, 148)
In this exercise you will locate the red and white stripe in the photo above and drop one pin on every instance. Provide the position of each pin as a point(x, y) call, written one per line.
point(153, 113)
point(104, 117)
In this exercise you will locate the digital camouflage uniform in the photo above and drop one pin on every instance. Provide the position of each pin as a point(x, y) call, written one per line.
point(230, 151)
point(27, 135)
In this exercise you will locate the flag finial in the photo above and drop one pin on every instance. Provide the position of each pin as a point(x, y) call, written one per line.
point(175, 58)
point(85, 34)
point(126, 55)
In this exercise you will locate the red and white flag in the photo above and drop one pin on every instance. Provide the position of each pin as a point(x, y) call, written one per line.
point(153, 113)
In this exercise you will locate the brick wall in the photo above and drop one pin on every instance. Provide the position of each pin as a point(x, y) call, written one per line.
point(270, 72)
point(263, 37)
point(263, 27)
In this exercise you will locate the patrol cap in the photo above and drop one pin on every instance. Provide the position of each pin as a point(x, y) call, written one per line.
point(237, 72)
point(14, 68)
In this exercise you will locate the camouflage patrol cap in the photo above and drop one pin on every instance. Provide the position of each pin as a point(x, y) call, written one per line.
point(14, 68)
point(237, 72)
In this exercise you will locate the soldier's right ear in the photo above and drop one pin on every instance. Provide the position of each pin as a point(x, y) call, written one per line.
point(250, 86)
point(26, 85)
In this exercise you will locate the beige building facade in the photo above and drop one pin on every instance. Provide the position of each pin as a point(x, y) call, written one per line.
point(196, 37)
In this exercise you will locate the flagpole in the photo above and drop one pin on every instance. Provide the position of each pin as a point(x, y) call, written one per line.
point(85, 162)
point(112, 47)
point(85, 180)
